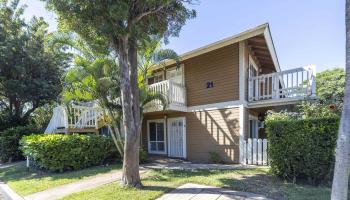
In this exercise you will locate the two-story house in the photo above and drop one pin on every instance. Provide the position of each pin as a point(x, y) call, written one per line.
point(218, 97)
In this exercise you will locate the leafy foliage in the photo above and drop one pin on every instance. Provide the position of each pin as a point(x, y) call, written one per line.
point(9, 142)
point(302, 148)
point(143, 155)
point(67, 152)
point(95, 76)
point(330, 85)
point(125, 26)
point(215, 157)
point(30, 69)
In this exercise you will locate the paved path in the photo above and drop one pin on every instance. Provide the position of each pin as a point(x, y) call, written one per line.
point(191, 191)
point(192, 166)
point(6, 193)
point(64, 190)
point(7, 165)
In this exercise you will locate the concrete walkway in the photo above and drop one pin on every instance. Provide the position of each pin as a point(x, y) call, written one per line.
point(157, 162)
point(7, 165)
point(6, 193)
point(64, 190)
point(191, 191)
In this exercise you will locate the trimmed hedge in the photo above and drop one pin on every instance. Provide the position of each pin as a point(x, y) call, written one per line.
point(55, 152)
point(302, 148)
point(9, 142)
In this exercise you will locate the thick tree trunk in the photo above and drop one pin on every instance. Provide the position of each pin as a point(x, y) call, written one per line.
point(342, 163)
point(131, 176)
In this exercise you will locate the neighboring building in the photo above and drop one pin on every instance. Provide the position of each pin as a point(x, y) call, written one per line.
point(218, 97)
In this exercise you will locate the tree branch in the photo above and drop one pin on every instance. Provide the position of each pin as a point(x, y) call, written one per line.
point(149, 12)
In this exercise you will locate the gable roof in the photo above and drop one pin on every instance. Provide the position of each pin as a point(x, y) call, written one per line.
point(263, 29)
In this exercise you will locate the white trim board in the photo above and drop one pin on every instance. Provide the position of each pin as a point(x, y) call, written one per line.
point(274, 102)
point(215, 106)
point(271, 47)
point(242, 51)
point(241, 134)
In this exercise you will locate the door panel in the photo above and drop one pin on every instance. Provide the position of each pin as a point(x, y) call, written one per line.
point(177, 140)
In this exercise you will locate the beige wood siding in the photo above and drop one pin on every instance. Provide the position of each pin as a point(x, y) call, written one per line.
point(207, 131)
point(213, 131)
point(222, 68)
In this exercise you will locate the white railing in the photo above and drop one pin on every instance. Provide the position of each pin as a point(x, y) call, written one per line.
point(78, 117)
point(83, 117)
point(294, 83)
point(255, 151)
point(174, 93)
point(59, 119)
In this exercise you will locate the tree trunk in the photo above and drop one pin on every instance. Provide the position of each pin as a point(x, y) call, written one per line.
point(342, 160)
point(131, 176)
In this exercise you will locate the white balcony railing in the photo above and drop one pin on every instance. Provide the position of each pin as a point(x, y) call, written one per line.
point(175, 94)
point(84, 117)
point(294, 83)
point(75, 117)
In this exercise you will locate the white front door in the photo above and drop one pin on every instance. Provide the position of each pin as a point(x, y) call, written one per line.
point(177, 137)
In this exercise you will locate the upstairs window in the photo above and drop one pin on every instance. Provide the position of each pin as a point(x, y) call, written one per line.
point(155, 78)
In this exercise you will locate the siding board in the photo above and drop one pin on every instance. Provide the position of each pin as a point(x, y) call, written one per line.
point(207, 131)
point(220, 66)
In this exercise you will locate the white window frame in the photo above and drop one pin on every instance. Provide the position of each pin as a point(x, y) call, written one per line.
point(154, 74)
point(254, 118)
point(165, 136)
point(184, 144)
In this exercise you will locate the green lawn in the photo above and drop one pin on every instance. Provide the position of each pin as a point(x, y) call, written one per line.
point(24, 182)
point(157, 182)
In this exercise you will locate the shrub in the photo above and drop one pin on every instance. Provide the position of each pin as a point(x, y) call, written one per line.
point(9, 142)
point(142, 155)
point(215, 157)
point(302, 148)
point(55, 152)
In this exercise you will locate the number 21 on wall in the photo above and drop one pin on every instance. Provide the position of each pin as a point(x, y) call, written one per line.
point(210, 84)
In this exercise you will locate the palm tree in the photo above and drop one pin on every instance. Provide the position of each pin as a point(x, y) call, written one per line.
point(342, 160)
point(95, 76)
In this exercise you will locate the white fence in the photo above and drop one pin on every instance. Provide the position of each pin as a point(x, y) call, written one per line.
point(294, 83)
point(84, 117)
point(74, 117)
point(255, 151)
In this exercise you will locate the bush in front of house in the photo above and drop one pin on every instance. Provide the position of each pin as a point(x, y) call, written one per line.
point(142, 155)
point(215, 157)
point(59, 153)
point(302, 148)
point(9, 142)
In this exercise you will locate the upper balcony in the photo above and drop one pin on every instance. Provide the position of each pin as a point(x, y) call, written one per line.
point(282, 87)
point(174, 93)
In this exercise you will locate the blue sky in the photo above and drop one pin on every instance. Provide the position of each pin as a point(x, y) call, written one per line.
point(304, 32)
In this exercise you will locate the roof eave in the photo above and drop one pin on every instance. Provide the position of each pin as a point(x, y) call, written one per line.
point(259, 30)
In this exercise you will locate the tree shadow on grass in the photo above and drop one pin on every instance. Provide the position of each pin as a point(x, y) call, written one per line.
point(275, 188)
point(20, 172)
point(257, 181)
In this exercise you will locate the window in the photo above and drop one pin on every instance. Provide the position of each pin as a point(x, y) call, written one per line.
point(156, 78)
point(253, 128)
point(175, 75)
point(156, 133)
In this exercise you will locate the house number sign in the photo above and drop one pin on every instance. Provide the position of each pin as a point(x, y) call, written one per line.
point(210, 84)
